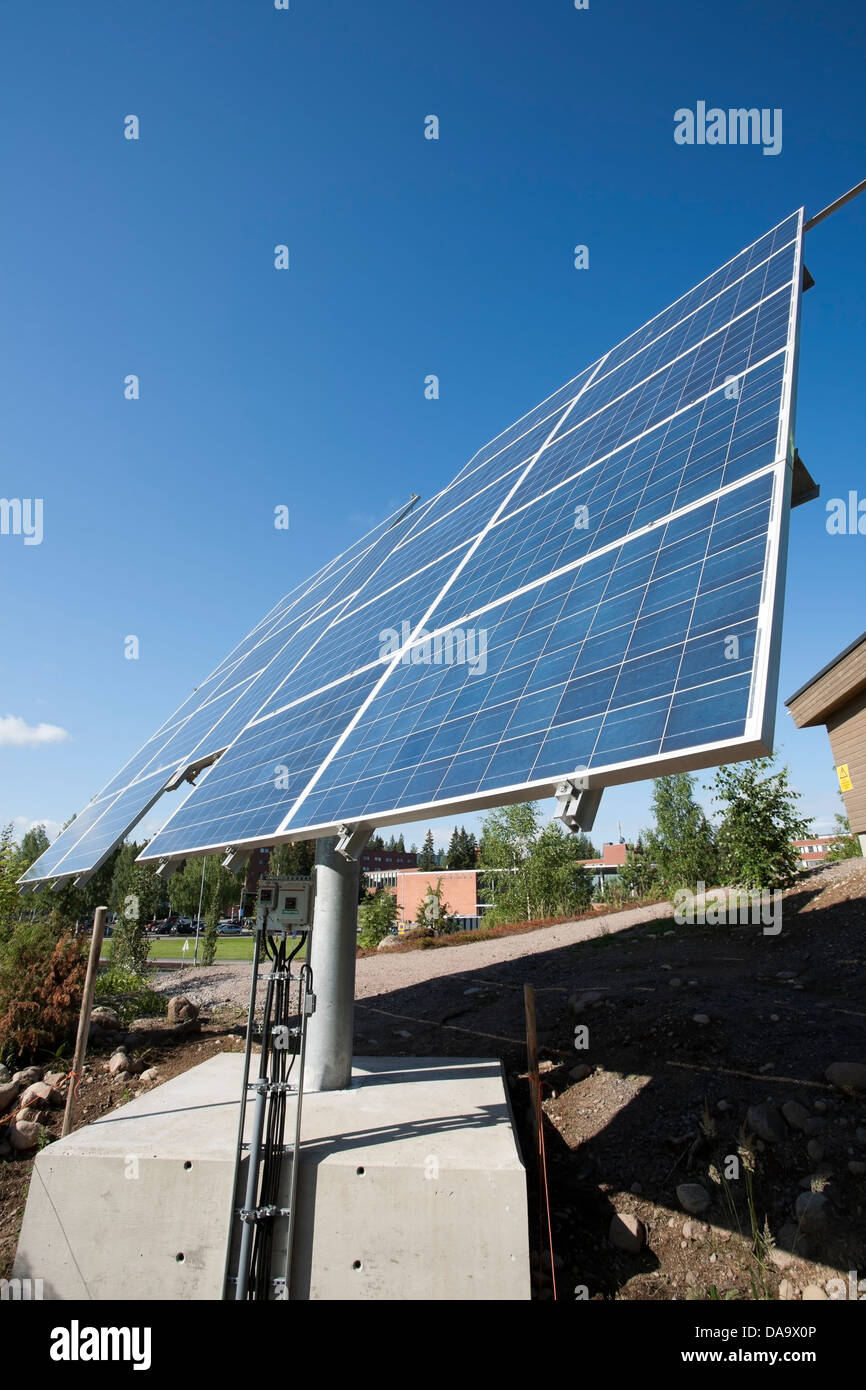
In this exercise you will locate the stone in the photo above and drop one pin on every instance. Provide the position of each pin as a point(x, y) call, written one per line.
point(693, 1198)
point(106, 1018)
point(39, 1095)
point(796, 1114)
point(815, 1150)
point(580, 1073)
point(5, 1075)
point(844, 1074)
point(692, 1230)
point(28, 1112)
point(578, 1002)
point(28, 1076)
point(786, 1290)
point(118, 1063)
point(813, 1293)
point(819, 1106)
point(765, 1121)
point(699, 1018)
point(388, 942)
point(812, 1210)
point(182, 1010)
point(782, 1259)
point(150, 1075)
point(55, 1078)
point(25, 1134)
point(675, 983)
point(8, 1093)
point(627, 1233)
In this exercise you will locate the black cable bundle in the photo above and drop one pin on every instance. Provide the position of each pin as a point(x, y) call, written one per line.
point(275, 1066)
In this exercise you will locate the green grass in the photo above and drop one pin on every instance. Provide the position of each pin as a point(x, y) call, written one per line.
point(228, 948)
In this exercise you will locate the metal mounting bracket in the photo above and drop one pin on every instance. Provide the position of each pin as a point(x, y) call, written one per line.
point(352, 839)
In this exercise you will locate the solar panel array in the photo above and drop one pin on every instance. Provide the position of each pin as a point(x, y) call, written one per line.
point(596, 588)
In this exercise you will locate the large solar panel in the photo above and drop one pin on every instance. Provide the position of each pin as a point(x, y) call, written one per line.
point(598, 588)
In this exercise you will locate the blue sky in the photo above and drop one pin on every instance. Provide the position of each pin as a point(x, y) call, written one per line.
point(408, 257)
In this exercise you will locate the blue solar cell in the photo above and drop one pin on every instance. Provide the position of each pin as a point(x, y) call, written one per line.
point(592, 589)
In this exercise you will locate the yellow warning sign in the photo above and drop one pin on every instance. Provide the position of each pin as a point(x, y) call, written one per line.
point(844, 780)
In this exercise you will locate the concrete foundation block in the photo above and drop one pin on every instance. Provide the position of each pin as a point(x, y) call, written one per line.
point(410, 1187)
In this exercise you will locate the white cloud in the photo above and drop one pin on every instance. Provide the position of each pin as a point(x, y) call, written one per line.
point(24, 823)
point(17, 733)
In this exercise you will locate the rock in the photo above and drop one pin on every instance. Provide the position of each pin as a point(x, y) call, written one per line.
point(627, 1233)
point(580, 1073)
point(25, 1134)
point(150, 1075)
point(39, 1095)
point(388, 943)
point(812, 1210)
point(675, 983)
point(693, 1198)
point(796, 1114)
point(857, 1168)
point(106, 1018)
point(813, 1293)
point(692, 1230)
point(815, 1150)
point(28, 1112)
point(851, 1074)
point(786, 1290)
point(118, 1063)
point(578, 1002)
point(699, 1018)
point(765, 1121)
point(5, 1075)
point(8, 1093)
point(182, 1010)
point(782, 1259)
point(55, 1078)
point(28, 1076)
point(819, 1106)
point(723, 1105)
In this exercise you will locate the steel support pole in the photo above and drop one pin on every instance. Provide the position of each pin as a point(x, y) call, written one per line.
point(334, 941)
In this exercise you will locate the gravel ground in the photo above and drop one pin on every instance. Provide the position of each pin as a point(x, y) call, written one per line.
point(229, 984)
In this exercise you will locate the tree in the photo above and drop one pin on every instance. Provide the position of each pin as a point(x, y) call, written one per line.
point(462, 850)
point(10, 897)
point(427, 857)
point(376, 917)
point(682, 843)
point(34, 842)
point(435, 913)
point(584, 848)
point(296, 860)
point(134, 895)
point(530, 872)
point(845, 845)
point(759, 824)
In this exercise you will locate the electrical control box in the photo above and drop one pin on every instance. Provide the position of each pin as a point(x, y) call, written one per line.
point(285, 905)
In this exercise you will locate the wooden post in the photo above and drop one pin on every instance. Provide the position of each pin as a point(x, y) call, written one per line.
point(84, 1016)
point(532, 1060)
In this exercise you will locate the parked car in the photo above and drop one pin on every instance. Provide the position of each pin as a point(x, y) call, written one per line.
point(229, 928)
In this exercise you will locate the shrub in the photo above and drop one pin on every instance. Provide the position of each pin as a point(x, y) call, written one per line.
point(129, 993)
point(41, 983)
point(376, 916)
